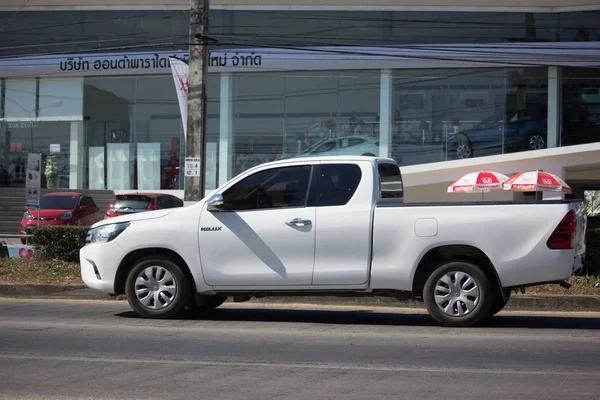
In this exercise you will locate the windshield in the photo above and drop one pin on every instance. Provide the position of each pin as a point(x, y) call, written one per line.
point(58, 202)
point(129, 202)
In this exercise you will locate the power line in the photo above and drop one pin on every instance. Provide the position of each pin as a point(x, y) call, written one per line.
point(90, 21)
point(14, 15)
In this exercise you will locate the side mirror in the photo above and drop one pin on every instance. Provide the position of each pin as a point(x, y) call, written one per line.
point(83, 208)
point(215, 202)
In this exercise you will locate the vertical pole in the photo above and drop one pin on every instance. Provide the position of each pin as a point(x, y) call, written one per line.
point(554, 106)
point(226, 128)
point(386, 114)
point(195, 160)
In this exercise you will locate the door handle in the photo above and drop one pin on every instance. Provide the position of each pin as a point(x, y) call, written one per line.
point(298, 222)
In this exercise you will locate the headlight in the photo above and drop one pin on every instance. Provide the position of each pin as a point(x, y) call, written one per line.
point(26, 215)
point(106, 233)
point(66, 216)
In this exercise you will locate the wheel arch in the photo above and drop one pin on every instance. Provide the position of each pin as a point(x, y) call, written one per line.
point(467, 253)
point(131, 258)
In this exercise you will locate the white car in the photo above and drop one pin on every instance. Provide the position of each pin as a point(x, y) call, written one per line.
point(344, 146)
point(333, 226)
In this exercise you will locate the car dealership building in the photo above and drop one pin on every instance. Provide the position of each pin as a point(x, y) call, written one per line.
point(443, 87)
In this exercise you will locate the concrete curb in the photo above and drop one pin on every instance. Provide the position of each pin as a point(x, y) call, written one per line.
point(517, 302)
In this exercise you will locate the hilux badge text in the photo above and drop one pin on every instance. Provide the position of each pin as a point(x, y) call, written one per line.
point(211, 228)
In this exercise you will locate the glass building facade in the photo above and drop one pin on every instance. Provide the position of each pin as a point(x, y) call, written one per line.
point(419, 87)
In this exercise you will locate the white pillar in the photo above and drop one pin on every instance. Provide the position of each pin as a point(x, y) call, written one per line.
point(226, 128)
point(385, 113)
point(554, 102)
point(76, 163)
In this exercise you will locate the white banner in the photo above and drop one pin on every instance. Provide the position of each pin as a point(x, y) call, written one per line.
point(33, 180)
point(179, 69)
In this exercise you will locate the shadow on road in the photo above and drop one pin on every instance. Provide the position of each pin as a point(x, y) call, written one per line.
point(362, 317)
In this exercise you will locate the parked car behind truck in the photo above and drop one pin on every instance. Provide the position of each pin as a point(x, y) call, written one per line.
point(494, 134)
point(130, 203)
point(61, 208)
point(333, 226)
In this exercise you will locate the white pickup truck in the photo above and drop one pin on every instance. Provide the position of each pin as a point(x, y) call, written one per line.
point(333, 226)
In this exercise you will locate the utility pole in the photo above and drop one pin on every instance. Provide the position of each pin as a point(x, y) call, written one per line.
point(195, 145)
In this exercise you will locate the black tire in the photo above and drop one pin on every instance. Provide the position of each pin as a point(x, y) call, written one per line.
point(177, 303)
point(499, 303)
point(477, 313)
point(210, 303)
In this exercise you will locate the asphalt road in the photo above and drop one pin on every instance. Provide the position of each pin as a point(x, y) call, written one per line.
point(101, 350)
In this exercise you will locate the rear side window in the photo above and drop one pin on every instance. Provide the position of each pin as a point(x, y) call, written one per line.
point(176, 202)
point(337, 184)
point(132, 202)
point(169, 202)
point(88, 202)
point(390, 181)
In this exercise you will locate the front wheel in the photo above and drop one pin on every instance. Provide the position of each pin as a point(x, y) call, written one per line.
point(457, 294)
point(156, 287)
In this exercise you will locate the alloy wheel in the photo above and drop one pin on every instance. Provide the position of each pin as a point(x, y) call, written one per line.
point(463, 151)
point(536, 142)
point(155, 288)
point(456, 293)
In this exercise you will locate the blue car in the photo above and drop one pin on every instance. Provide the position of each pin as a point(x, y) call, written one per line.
point(485, 138)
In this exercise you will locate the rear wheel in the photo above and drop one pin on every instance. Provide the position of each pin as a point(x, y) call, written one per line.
point(156, 287)
point(457, 293)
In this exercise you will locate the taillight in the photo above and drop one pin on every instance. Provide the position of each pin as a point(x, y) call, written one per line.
point(563, 237)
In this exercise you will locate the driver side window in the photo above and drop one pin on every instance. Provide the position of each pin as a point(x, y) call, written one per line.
point(284, 187)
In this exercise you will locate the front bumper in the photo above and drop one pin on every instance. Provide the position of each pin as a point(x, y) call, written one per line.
point(99, 264)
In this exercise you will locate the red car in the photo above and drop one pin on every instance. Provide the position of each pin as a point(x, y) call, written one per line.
point(62, 208)
point(139, 202)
